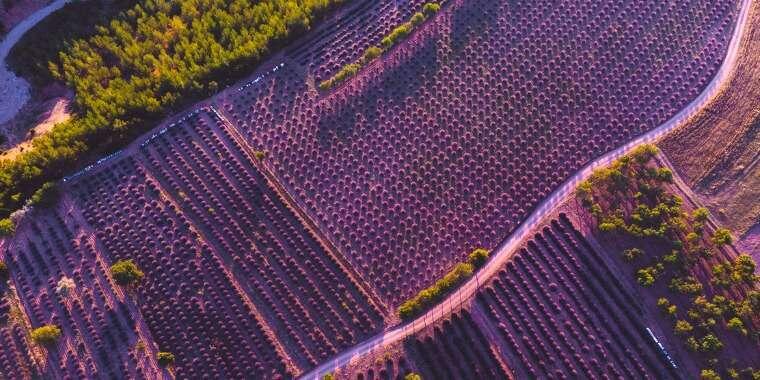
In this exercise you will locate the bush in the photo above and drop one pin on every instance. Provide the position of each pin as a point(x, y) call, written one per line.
point(431, 8)
point(412, 376)
point(165, 358)
point(45, 196)
point(632, 254)
point(683, 327)
point(126, 273)
point(396, 35)
point(46, 335)
point(647, 276)
point(429, 296)
point(686, 285)
point(737, 325)
point(478, 257)
point(700, 215)
point(710, 343)
point(722, 236)
point(371, 53)
point(417, 19)
point(709, 374)
point(7, 227)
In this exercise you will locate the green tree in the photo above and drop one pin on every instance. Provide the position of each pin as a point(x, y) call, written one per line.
point(722, 236)
point(45, 196)
point(737, 325)
point(709, 374)
point(431, 8)
point(46, 335)
point(710, 343)
point(478, 257)
point(165, 358)
point(700, 215)
point(126, 273)
point(7, 227)
point(683, 327)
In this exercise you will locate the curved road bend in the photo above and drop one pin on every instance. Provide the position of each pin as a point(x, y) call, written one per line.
point(14, 91)
point(505, 251)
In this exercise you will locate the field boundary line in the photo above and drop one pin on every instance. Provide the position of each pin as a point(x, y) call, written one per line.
point(304, 217)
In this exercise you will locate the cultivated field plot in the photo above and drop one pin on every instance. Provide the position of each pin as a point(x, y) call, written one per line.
point(559, 310)
point(99, 329)
point(556, 310)
point(448, 141)
point(15, 361)
point(230, 271)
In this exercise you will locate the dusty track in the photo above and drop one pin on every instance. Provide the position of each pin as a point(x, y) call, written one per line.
point(14, 91)
point(505, 251)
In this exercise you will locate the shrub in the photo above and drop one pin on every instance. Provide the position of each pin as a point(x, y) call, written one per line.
point(4, 273)
point(432, 294)
point(412, 376)
point(710, 343)
point(164, 358)
point(45, 196)
point(371, 53)
point(478, 257)
point(632, 254)
point(260, 154)
point(737, 325)
point(328, 376)
point(126, 273)
point(646, 276)
point(417, 19)
point(683, 327)
point(686, 285)
point(721, 237)
point(644, 153)
point(709, 374)
point(431, 8)
point(665, 175)
point(46, 335)
point(7, 227)
point(396, 35)
point(701, 214)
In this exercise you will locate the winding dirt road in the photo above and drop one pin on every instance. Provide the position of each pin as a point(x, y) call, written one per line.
point(14, 91)
point(505, 251)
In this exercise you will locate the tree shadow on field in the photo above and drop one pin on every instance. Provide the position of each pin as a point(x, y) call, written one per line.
point(405, 72)
point(471, 20)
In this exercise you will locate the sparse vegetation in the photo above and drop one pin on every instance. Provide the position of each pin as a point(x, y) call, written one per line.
point(126, 273)
point(46, 335)
point(395, 36)
point(4, 273)
point(153, 58)
point(165, 359)
point(7, 227)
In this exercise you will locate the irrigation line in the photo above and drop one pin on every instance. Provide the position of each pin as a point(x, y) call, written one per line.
point(507, 249)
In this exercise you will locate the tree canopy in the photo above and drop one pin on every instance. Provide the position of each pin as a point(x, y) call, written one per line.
point(154, 57)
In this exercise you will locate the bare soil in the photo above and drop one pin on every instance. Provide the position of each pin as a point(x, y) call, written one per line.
point(47, 107)
point(718, 150)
